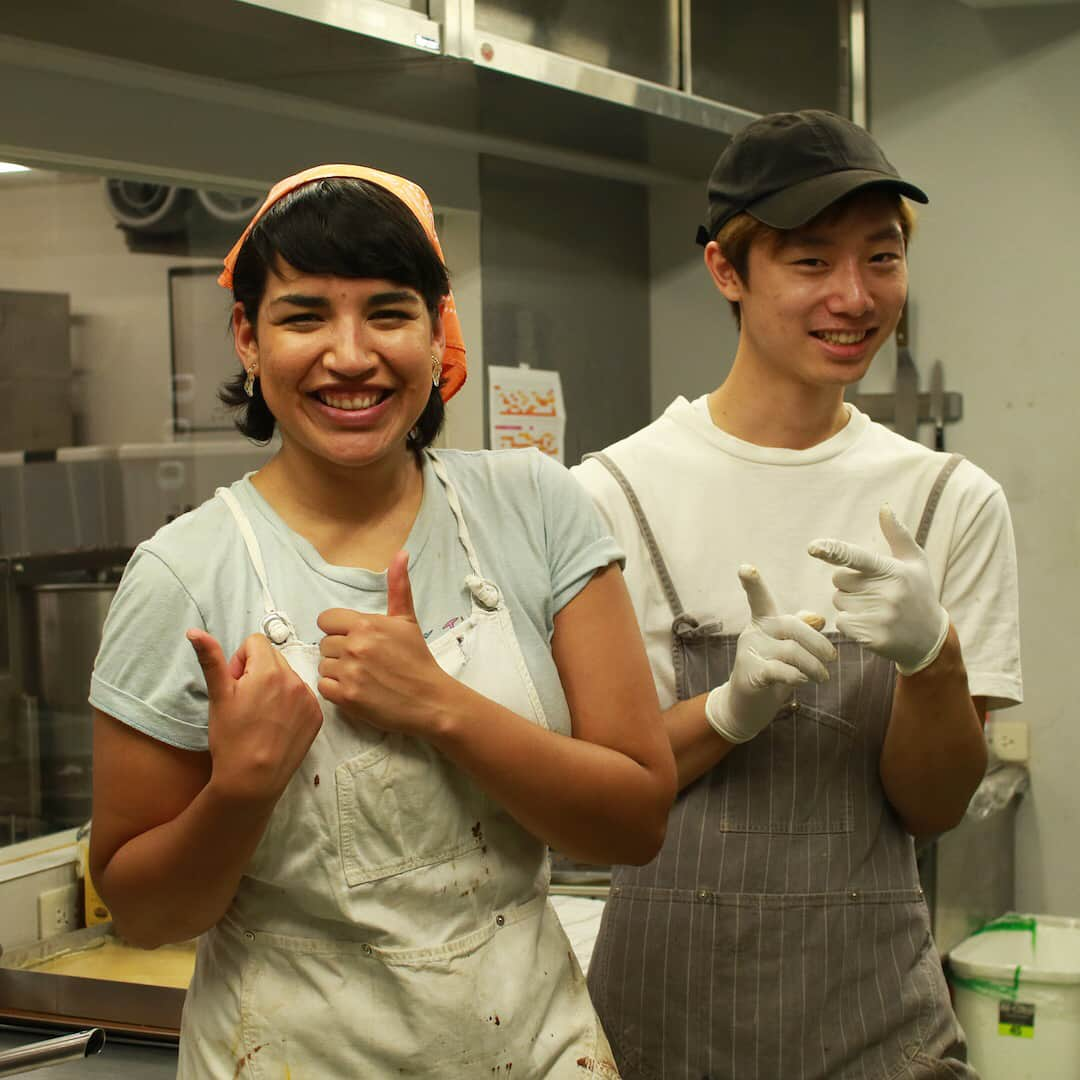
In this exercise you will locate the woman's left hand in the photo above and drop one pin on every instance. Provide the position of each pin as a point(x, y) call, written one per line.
point(377, 668)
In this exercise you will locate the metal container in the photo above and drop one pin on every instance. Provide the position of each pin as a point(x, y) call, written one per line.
point(35, 371)
point(68, 619)
point(134, 1008)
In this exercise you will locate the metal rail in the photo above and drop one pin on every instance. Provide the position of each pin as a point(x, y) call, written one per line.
point(40, 1055)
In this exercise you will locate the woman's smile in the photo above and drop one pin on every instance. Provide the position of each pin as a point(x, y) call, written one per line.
point(350, 402)
point(354, 409)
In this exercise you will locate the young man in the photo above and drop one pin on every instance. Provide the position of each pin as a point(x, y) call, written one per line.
point(781, 933)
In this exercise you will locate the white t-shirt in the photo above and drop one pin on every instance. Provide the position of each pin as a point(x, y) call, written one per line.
point(714, 502)
point(536, 535)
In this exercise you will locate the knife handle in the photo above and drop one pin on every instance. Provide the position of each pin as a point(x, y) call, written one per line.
point(939, 436)
point(901, 329)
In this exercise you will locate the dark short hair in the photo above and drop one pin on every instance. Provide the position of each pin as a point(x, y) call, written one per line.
point(348, 228)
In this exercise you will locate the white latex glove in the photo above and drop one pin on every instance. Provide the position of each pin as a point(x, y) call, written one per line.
point(774, 654)
point(890, 605)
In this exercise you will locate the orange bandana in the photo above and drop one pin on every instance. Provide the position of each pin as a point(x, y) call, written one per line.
point(413, 196)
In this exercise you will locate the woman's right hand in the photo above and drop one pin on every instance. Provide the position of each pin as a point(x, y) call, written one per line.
point(263, 717)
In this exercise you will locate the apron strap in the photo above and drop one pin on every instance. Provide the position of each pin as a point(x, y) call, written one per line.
point(670, 593)
point(934, 498)
point(275, 625)
point(485, 592)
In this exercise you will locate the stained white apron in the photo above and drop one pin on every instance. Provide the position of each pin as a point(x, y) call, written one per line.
point(393, 920)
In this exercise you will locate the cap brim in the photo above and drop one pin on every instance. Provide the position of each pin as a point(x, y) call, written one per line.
point(796, 205)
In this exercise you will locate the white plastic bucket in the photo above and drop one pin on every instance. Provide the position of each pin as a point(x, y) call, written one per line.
point(1016, 987)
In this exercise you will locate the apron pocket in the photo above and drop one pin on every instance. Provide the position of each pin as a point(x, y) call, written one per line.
point(401, 807)
point(791, 780)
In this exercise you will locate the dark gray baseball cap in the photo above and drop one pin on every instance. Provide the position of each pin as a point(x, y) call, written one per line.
point(785, 168)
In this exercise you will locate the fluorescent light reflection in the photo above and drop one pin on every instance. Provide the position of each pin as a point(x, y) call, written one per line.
point(10, 166)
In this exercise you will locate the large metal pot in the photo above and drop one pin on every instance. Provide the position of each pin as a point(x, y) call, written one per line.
point(68, 621)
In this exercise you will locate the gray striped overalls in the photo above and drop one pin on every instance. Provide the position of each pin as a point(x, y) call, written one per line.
point(781, 933)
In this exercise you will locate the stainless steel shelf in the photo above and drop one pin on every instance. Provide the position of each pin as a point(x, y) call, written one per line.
point(425, 71)
point(563, 72)
point(375, 18)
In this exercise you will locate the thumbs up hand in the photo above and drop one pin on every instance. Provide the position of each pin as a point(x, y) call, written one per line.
point(377, 668)
point(887, 603)
point(263, 717)
point(774, 654)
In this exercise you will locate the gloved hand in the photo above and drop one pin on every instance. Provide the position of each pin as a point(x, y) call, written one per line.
point(774, 654)
point(890, 605)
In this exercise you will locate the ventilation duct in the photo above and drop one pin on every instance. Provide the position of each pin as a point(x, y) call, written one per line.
point(237, 209)
point(144, 207)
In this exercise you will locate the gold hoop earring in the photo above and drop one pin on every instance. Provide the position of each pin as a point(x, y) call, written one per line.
point(436, 370)
point(249, 382)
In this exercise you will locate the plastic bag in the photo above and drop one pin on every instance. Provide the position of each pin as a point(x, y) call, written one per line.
point(997, 790)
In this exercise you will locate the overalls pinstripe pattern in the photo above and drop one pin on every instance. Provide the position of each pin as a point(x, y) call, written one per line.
point(781, 932)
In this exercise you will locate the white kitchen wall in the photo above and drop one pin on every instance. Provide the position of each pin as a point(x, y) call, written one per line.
point(980, 107)
point(58, 236)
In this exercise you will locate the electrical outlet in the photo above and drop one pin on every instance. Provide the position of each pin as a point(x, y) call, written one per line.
point(58, 910)
point(1009, 739)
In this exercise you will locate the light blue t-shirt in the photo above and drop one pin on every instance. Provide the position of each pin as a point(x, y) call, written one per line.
point(536, 535)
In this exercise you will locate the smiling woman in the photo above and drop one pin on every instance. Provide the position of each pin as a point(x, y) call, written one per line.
point(435, 674)
point(281, 256)
point(336, 359)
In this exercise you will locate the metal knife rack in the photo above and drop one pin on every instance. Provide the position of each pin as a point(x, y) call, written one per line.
point(882, 406)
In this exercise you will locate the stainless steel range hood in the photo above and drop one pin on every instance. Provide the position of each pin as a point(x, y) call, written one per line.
point(595, 86)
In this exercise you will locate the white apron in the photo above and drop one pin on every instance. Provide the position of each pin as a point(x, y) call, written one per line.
point(393, 920)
